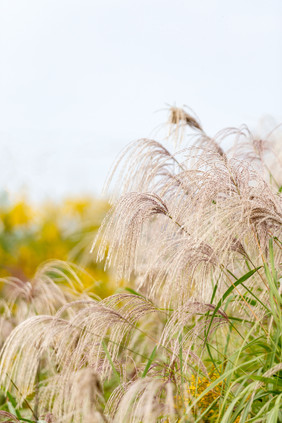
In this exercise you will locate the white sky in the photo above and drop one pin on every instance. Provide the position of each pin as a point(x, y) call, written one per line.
point(79, 79)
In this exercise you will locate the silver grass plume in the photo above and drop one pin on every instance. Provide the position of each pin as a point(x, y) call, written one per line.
point(54, 284)
point(109, 322)
point(145, 400)
point(122, 229)
point(144, 165)
point(22, 352)
point(77, 397)
point(69, 345)
point(199, 318)
point(225, 209)
point(179, 119)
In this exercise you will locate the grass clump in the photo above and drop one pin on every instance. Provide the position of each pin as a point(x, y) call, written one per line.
point(197, 334)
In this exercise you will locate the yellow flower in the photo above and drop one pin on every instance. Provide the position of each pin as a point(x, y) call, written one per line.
point(19, 214)
point(50, 232)
point(78, 206)
point(193, 390)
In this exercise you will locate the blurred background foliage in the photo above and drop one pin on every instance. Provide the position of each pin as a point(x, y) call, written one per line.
point(30, 235)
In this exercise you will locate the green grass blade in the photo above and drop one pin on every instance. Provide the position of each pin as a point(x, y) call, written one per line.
point(149, 362)
point(110, 360)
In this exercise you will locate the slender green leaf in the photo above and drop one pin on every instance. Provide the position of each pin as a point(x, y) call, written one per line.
point(149, 362)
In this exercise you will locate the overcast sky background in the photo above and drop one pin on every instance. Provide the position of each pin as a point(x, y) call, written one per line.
point(79, 79)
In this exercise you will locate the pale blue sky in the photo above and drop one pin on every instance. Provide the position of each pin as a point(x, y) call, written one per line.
point(79, 79)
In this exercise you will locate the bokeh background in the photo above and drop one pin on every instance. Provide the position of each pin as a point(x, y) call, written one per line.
point(80, 79)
